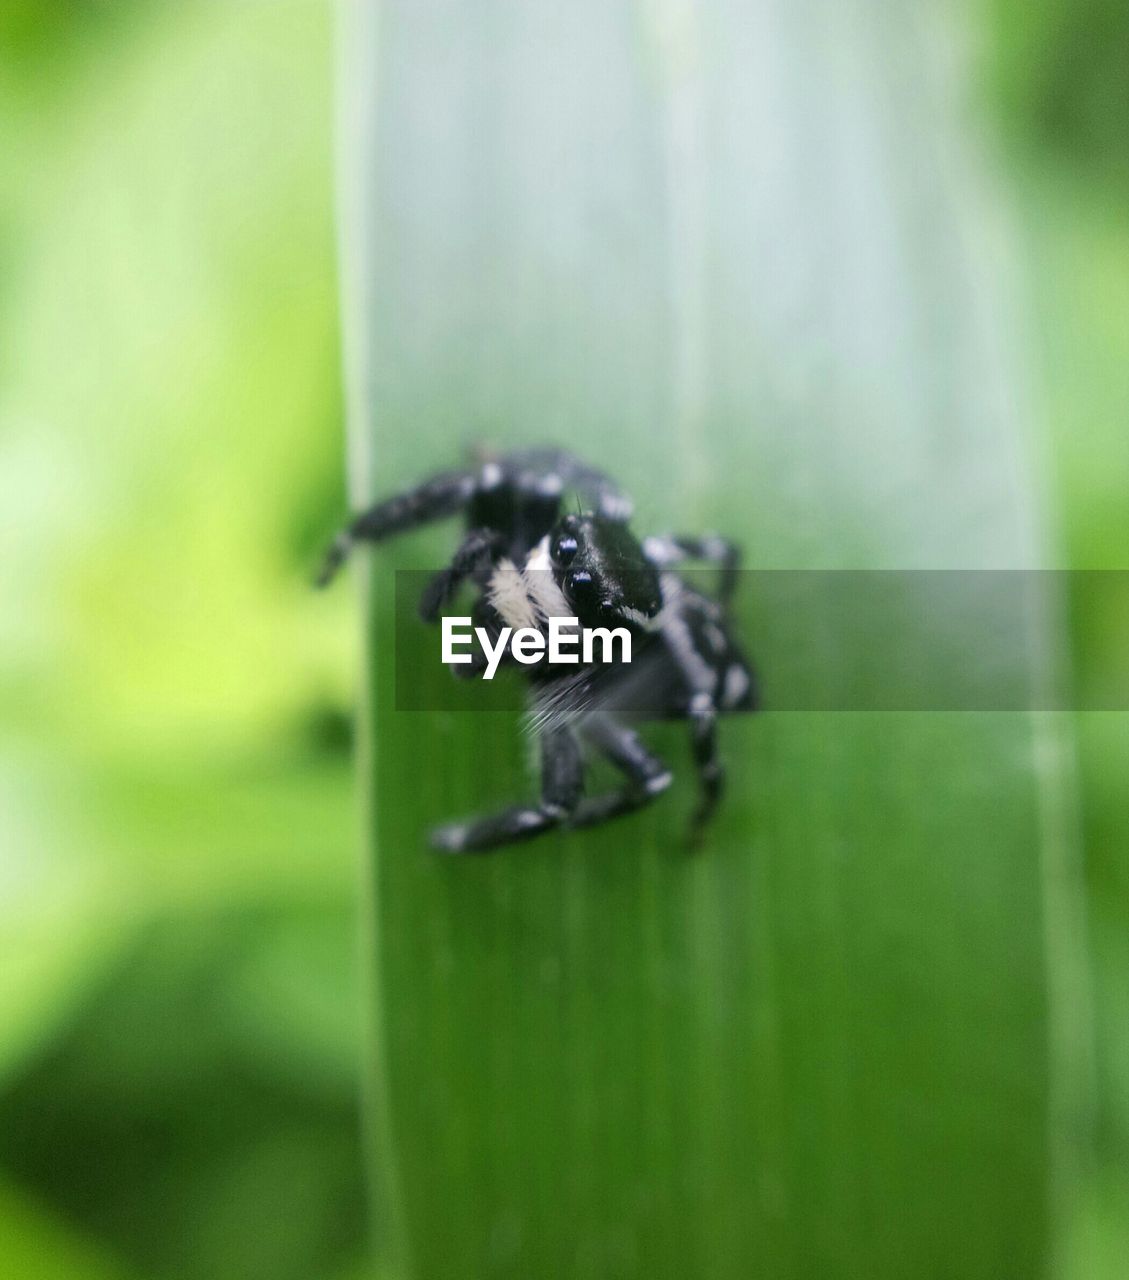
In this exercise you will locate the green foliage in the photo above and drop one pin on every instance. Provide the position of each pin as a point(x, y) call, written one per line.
point(1061, 66)
point(242, 1022)
point(1081, 245)
point(1059, 70)
point(178, 1011)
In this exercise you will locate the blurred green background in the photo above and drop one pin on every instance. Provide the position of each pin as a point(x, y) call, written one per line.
point(178, 996)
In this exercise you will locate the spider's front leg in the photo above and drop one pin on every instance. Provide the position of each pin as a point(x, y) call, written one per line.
point(711, 771)
point(701, 679)
point(441, 496)
point(668, 550)
point(562, 780)
point(647, 776)
point(474, 559)
point(484, 617)
point(600, 489)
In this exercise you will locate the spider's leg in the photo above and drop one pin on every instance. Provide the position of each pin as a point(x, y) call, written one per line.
point(542, 471)
point(647, 776)
point(562, 780)
point(482, 615)
point(666, 550)
point(702, 678)
point(607, 498)
point(441, 496)
point(475, 554)
point(711, 771)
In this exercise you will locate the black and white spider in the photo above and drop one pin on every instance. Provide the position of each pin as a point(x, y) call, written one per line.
point(530, 560)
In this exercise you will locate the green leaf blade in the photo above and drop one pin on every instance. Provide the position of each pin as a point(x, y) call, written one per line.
point(743, 262)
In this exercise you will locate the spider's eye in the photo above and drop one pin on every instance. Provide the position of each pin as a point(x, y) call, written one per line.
point(580, 585)
point(564, 552)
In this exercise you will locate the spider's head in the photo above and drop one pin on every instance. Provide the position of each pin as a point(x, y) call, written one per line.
point(603, 573)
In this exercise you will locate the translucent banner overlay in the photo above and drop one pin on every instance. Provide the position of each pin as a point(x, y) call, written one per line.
point(886, 640)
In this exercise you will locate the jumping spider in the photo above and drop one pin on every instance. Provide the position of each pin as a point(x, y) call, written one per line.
point(530, 559)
